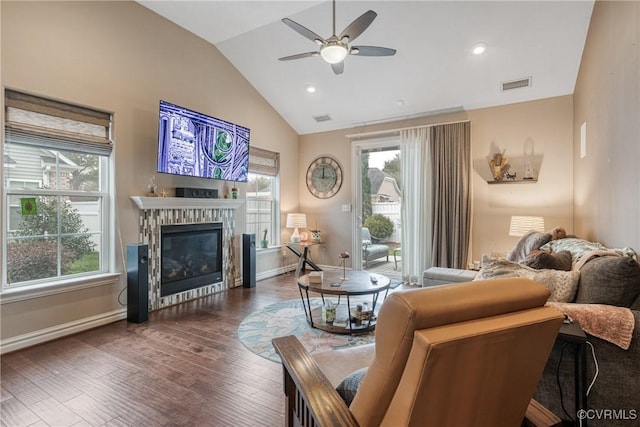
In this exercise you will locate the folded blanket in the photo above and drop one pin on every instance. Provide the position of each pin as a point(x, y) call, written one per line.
point(608, 322)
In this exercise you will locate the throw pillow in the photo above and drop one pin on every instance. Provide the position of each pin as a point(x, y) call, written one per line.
point(562, 284)
point(542, 260)
point(613, 280)
point(530, 241)
point(349, 386)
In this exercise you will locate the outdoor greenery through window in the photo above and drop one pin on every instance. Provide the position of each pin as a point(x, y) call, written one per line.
point(263, 209)
point(56, 190)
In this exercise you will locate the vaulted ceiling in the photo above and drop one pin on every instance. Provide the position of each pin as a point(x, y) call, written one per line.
point(433, 70)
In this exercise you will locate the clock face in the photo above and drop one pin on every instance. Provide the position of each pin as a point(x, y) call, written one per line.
point(324, 177)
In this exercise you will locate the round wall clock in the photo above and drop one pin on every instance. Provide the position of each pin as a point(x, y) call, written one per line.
point(324, 177)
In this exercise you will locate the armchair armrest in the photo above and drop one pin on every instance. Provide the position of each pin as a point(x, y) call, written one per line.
point(310, 397)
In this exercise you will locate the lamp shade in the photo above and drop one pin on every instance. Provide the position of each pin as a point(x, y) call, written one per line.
point(295, 220)
point(521, 225)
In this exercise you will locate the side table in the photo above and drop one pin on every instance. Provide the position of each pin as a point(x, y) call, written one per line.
point(303, 255)
point(572, 333)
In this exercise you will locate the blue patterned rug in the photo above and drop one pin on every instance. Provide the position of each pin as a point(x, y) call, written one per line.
point(287, 318)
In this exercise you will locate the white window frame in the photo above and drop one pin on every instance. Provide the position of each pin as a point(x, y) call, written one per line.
point(274, 200)
point(265, 163)
point(59, 284)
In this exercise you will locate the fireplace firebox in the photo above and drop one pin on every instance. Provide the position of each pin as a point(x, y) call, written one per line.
point(191, 256)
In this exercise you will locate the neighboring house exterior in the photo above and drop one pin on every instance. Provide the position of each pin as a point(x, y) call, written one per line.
point(30, 172)
point(384, 187)
point(386, 199)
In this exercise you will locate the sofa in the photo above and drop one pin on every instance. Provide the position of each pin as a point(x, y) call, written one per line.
point(600, 288)
point(372, 250)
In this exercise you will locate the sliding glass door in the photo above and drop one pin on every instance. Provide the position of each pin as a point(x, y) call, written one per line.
point(378, 195)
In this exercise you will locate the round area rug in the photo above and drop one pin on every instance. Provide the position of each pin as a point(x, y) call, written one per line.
point(287, 318)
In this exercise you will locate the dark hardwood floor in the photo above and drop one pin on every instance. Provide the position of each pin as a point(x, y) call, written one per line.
point(183, 367)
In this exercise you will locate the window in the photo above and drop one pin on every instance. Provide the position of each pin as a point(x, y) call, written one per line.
point(263, 209)
point(56, 191)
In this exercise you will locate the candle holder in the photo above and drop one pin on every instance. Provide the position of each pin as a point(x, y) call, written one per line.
point(344, 256)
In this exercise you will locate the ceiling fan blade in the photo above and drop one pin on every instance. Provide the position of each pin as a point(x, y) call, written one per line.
point(304, 31)
point(298, 56)
point(338, 68)
point(371, 51)
point(358, 26)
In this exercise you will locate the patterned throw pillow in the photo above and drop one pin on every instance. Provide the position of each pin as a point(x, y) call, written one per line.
point(562, 284)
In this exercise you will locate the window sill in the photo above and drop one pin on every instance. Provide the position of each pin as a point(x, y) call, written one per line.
point(23, 293)
point(270, 249)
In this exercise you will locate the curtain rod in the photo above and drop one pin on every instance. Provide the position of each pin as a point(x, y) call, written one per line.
point(396, 131)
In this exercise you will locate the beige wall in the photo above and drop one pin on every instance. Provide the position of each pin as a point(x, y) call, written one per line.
point(123, 58)
point(607, 99)
point(547, 123)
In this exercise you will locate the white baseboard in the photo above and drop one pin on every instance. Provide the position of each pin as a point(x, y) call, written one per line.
point(59, 331)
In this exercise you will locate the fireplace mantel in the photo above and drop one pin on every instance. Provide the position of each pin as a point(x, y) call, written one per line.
point(147, 203)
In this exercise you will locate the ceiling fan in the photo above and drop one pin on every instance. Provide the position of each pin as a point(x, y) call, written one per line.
point(335, 48)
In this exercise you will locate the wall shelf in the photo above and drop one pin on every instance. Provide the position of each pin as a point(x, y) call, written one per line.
point(514, 181)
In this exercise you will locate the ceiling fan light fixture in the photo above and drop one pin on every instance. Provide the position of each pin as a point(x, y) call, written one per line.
point(333, 53)
point(354, 51)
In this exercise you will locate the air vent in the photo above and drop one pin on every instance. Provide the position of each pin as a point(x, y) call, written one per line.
point(515, 84)
point(323, 118)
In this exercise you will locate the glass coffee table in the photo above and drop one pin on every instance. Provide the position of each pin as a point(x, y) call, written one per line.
point(351, 315)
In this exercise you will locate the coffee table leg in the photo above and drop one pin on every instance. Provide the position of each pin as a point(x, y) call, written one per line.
point(349, 314)
point(307, 306)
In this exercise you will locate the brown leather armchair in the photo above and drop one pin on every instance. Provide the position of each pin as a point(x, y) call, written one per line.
point(458, 355)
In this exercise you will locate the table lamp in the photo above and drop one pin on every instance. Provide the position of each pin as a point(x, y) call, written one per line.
point(521, 225)
point(295, 220)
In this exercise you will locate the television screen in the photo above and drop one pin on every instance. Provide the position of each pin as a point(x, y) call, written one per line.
point(194, 144)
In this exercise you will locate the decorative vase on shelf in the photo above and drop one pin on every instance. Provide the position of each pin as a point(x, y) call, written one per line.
point(499, 166)
point(152, 187)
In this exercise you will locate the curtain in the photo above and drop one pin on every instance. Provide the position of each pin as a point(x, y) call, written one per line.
point(436, 201)
point(415, 207)
point(450, 159)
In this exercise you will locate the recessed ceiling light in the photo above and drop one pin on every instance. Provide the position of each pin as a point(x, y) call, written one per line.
point(400, 103)
point(310, 88)
point(478, 48)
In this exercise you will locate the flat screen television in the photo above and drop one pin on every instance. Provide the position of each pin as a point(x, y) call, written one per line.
point(194, 144)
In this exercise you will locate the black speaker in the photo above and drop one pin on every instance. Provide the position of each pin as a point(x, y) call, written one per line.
point(198, 193)
point(137, 283)
point(248, 260)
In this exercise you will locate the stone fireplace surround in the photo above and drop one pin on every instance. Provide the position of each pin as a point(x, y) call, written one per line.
point(158, 211)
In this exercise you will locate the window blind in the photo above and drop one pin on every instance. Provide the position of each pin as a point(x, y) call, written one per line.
point(41, 122)
point(264, 161)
